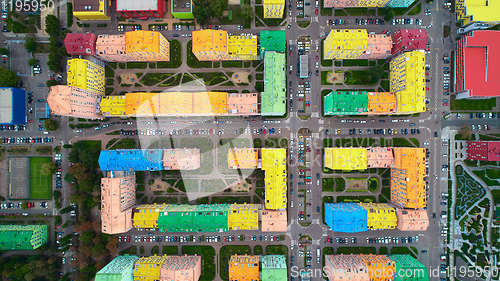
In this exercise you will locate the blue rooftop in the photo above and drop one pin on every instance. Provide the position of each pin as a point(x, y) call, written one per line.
point(346, 217)
point(131, 159)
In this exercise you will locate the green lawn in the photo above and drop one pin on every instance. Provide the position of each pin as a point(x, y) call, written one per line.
point(40, 185)
point(471, 104)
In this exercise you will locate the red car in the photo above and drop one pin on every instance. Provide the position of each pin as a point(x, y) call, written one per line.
point(316, 12)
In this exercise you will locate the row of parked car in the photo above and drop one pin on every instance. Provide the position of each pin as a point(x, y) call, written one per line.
point(20, 140)
point(58, 159)
point(12, 127)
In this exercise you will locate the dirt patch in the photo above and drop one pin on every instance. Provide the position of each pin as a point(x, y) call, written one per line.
point(159, 185)
point(334, 78)
point(240, 77)
point(129, 78)
point(356, 184)
point(240, 186)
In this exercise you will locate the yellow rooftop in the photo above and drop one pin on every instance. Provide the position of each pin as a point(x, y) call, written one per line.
point(113, 106)
point(470, 11)
point(274, 165)
point(346, 158)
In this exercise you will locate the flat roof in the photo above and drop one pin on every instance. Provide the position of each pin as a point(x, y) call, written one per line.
point(86, 5)
point(482, 63)
point(6, 105)
point(182, 5)
point(134, 5)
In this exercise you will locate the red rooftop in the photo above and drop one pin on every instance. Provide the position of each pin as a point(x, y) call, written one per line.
point(483, 150)
point(80, 44)
point(405, 40)
point(477, 64)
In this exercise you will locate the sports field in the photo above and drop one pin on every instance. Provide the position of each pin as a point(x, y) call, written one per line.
point(40, 185)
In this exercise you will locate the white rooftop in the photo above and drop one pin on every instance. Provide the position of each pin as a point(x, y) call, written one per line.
point(137, 5)
point(5, 105)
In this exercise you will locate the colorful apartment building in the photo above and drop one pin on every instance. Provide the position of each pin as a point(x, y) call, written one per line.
point(74, 102)
point(345, 158)
point(242, 158)
point(380, 157)
point(12, 106)
point(358, 103)
point(242, 47)
point(405, 40)
point(346, 217)
point(149, 268)
point(209, 44)
point(243, 217)
point(273, 99)
point(380, 268)
point(216, 45)
point(182, 9)
point(407, 81)
point(412, 220)
point(345, 103)
point(120, 268)
point(117, 200)
point(143, 9)
point(367, 3)
point(22, 237)
point(380, 216)
point(136, 45)
point(274, 268)
point(378, 46)
point(86, 10)
point(143, 45)
point(477, 59)
point(244, 268)
point(345, 44)
point(470, 11)
point(409, 269)
point(274, 221)
point(408, 186)
point(273, 8)
point(181, 268)
point(193, 218)
point(359, 267)
point(80, 44)
point(181, 104)
point(483, 150)
point(111, 47)
point(346, 267)
point(86, 74)
point(153, 268)
point(274, 165)
point(146, 216)
point(149, 159)
point(374, 268)
point(272, 40)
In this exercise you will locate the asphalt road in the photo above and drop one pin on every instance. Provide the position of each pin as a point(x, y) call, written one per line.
point(429, 122)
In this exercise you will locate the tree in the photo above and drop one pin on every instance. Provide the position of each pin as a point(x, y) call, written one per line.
point(51, 125)
point(32, 61)
point(201, 11)
point(247, 12)
point(217, 7)
point(30, 44)
point(389, 15)
point(4, 51)
point(52, 26)
point(7, 78)
point(48, 168)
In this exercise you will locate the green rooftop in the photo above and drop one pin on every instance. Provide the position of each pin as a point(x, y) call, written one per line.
point(274, 268)
point(409, 269)
point(194, 218)
point(22, 237)
point(345, 103)
point(273, 99)
point(120, 268)
point(272, 40)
